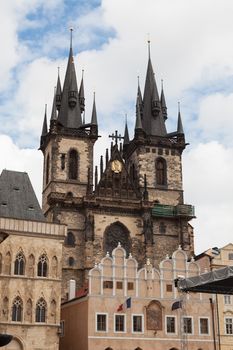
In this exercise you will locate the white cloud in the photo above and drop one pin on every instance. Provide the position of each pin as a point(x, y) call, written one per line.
point(208, 172)
point(189, 49)
point(22, 159)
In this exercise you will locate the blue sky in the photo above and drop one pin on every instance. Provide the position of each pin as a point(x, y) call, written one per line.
point(191, 52)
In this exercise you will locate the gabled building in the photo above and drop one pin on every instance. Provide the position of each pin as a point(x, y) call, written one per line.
point(30, 267)
point(138, 309)
point(135, 197)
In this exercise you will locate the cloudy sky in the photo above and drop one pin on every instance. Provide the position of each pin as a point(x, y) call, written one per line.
point(191, 50)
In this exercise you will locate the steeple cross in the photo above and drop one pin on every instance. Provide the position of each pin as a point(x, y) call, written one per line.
point(116, 137)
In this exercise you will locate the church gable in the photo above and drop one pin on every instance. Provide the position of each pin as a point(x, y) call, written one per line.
point(115, 181)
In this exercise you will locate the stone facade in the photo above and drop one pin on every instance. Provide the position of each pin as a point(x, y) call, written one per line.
point(136, 195)
point(151, 320)
point(22, 286)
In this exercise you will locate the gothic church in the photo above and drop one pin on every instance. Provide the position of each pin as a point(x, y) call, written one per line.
point(134, 197)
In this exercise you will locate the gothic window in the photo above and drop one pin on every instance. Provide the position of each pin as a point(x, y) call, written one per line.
point(41, 310)
point(114, 234)
point(230, 256)
point(70, 239)
point(47, 169)
point(161, 171)
point(73, 165)
point(42, 267)
point(154, 316)
point(19, 264)
point(17, 310)
point(132, 172)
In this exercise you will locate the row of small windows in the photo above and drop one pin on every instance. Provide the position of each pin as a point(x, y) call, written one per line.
point(72, 166)
point(20, 265)
point(18, 314)
point(137, 324)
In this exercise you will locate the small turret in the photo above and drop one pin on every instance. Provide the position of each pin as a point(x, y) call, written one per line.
point(58, 92)
point(94, 123)
point(126, 134)
point(44, 127)
point(180, 129)
point(81, 95)
point(163, 103)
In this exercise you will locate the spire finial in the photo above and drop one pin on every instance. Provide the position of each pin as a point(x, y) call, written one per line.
point(82, 73)
point(58, 70)
point(71, 36)
point(161, 84)
point(138, 80)
point(148, 42)
point(125, 118)
point(178, 106)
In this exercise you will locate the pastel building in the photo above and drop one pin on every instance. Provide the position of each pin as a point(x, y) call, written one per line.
point(99, 317)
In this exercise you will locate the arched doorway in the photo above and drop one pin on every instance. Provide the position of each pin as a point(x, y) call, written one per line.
point(114, 234)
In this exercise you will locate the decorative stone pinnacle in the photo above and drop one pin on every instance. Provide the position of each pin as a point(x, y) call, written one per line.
point(119, 244)
point(179, 247)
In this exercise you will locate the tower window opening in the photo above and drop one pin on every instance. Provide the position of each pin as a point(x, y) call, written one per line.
point(19, 264)
point(47, 169)
point(17, 310)
point(70, 239)
point(42, 267)
point(41, 310)
point(161, 172)
point(73, 165)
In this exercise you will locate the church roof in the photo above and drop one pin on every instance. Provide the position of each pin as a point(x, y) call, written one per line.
point(17, 197)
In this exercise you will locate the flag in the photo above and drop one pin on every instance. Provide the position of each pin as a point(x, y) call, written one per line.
point(125, 305)
point(177, 305)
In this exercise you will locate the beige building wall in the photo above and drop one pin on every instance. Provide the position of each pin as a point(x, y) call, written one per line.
point(152, 293)
point(225, 302)
point(32, 240)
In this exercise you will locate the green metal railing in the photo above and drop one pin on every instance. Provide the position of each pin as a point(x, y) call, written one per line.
point(172, 211)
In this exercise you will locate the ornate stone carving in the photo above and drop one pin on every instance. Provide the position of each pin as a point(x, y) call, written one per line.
point(148, 227)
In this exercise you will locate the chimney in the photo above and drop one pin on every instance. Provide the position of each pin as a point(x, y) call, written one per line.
point(71, 289)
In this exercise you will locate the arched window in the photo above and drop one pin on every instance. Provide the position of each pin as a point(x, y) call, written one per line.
point(73, 165)
point(114, 234)
point(71, 261)
point(17, 309)
point(70, 239)
point(42, 267)
point(47, 169)
point(161, 171)
point(19, 264)
point(138, 348)
point(41, 310)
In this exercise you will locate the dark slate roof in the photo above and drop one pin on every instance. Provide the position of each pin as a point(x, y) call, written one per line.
point(17, 197)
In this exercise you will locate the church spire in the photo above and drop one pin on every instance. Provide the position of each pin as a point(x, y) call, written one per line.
point(180, 129)
point(126, 133)
point(138, 124)
point(94, 114)
point(81, 95)
point(54, 107)
point(70, 113)
point(45, 127)
point(58, 91)
point(153, 122)
point(163, 102)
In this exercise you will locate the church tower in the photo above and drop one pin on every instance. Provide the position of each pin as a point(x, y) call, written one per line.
point(134, 197)
point(68, 166)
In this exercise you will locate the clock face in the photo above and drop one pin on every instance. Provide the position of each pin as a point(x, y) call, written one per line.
point(116, 166)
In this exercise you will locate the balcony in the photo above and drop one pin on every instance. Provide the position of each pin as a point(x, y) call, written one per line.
point(181, 210)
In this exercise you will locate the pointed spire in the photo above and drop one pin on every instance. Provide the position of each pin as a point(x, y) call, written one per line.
point(153, 122)
point(94, 114)
point(81, 95)
point(58, 91)
point(54, 108)
point(126, 133)
point(106, 157)
point(180, 129)
point(138, 124)
point(45, 127)
point(101, 166)
point(70, 113)
point(163, 102)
